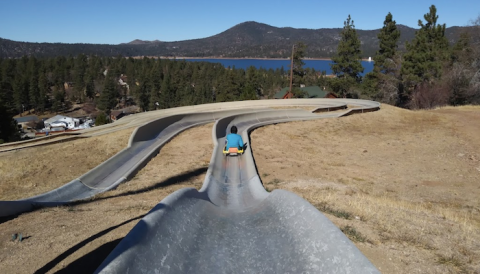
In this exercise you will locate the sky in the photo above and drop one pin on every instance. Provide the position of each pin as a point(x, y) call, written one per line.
point(121, 21)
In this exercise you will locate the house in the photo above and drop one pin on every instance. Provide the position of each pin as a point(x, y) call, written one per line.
point(312, 92)
point(116, 114)
point(27, 124)
point(62, 121)
point(23, 121)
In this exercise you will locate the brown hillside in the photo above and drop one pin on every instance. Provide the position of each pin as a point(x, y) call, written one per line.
point(403, 185)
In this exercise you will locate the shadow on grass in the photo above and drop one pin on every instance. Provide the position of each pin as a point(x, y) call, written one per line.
point(8, 218)
point(167, 182)
point(89, 262)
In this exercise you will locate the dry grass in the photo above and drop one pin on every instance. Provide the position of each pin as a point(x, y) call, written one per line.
point(411, 181)
point(403, 185)
point(36, 170)
point(76, 239)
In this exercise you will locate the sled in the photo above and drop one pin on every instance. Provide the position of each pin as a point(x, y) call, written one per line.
point(233, 151)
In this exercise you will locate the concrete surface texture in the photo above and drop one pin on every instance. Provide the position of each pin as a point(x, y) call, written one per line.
point(233, 225)
point(145, 143)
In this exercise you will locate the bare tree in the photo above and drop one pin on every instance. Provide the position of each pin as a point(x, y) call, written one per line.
point(426, 96)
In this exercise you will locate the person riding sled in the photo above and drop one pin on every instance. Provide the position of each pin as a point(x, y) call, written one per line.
point(234, 140)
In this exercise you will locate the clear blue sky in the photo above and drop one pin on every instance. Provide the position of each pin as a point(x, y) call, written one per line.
point(121, 21)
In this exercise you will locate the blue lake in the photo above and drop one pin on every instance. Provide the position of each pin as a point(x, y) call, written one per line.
point(318, 65)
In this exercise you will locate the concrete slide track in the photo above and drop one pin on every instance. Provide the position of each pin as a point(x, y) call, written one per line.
point(232, 224)
point(144, 144)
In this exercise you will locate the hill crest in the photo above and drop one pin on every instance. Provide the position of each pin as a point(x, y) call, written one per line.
point(245, 40)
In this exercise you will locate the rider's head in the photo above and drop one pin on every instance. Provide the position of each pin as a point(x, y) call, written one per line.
point(233, 129)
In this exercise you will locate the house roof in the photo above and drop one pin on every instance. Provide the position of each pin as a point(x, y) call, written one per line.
point(117, 113)
point(312, 92)
point(26, 119)
point(58, 118)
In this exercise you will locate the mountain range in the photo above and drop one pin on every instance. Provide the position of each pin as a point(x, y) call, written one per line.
point(245, 40)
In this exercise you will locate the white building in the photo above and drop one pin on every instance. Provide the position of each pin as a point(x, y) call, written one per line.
point(62, 121)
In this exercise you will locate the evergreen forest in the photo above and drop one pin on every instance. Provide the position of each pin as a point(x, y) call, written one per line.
point(429, 71)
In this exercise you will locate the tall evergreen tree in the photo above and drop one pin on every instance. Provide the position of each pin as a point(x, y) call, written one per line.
point(463, 74)
point(108, 97)
point(388, 42)
point(252, 85)
point(347, 64)
point(383, 82)
point(21, 86)
point(80, 70)
point(7, 71)
point(32, 74)
point(8, 129)
point(298, 69)
point(89, 86)
point(43, 91)
point(34, 91)
point(422, 63)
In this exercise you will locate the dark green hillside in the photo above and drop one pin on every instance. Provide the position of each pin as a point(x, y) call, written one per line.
point(249, 39)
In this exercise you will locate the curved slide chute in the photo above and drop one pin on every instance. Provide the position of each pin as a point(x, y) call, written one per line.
point(145, 143)
point(233, 225)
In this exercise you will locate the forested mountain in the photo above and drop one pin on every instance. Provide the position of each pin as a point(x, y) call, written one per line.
point(249, 39)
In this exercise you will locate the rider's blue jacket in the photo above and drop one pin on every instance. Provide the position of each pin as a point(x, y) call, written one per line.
point(234, 140)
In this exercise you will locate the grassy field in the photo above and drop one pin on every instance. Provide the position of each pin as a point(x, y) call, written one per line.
point(403, 185)
point(32, 171)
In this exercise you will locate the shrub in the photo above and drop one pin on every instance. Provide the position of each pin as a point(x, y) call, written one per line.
point(101, 119)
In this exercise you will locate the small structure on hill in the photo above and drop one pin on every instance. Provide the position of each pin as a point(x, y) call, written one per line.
point(116, 114)
point(62, 121)
point(26, 125)
point(311, 92)
point(26, 121)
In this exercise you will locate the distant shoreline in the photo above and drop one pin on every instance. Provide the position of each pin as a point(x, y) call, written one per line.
point(235, 58)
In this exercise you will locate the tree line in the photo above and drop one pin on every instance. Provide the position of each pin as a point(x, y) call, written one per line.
point(50, 85)
point(430, 73)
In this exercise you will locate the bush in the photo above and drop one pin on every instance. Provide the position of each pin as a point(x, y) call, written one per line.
point(101, 119)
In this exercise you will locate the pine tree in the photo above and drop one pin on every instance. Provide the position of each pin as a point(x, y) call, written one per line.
point(422, 63)
point(347, 64)
point(34, 92)
point(298, 70)
point(89, 86)
point(8, 129)
point(252, 85)
point(80, 71)
point(21, 86)
point(383, 82)
point(154, 85)
point(7, 72)
point(43, 91)
point(388, 39)
point(109, 96)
